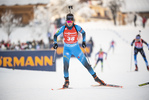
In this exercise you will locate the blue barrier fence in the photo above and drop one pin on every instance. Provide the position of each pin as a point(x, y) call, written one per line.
point(28, 60)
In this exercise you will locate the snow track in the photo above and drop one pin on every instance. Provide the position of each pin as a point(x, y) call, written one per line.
point(36, 85)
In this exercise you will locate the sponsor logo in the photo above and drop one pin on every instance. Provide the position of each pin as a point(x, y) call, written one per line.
point(66, 57)
point(70, 33)
point(26, 61)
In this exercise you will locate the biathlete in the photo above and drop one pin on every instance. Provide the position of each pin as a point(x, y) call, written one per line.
point(112, 45)
point(139, 48)
point(71, 47)
point(100, 58)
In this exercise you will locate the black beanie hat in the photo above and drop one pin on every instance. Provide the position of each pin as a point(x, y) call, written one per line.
point(69, 17)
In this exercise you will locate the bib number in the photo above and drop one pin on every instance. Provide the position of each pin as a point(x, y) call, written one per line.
point(70, 38)
point(138, 45)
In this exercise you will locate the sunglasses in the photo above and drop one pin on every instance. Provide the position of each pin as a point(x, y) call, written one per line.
point(69, 21)
point(137, 37)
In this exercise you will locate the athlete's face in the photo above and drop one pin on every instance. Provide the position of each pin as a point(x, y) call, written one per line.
point(69, 22)
point(137, 40)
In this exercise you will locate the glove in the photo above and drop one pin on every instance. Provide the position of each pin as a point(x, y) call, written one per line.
point(55, 46)
point(83, 44)
point(131, 44)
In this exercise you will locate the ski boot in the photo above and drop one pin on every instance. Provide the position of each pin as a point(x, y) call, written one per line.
point(136, 68)
point(66, 84)
point(101, 82)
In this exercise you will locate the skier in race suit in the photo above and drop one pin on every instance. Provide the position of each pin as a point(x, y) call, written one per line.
point(71, 47)
point(139, 48)
point(100, 58)
point(112, 45)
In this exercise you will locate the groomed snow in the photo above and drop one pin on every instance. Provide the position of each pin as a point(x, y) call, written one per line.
point(37, 85)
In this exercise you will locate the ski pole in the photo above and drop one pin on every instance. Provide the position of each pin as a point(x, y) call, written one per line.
point(131, 59)
point(54, 56)
point(87, 56)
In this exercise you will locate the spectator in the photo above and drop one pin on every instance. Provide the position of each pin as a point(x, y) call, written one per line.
point(12, 46)
point(91, 41)
point(144, 20)
point(135, 19)
point(37, 45)
point(7, 45)
point(17, 47)
point(42, 45)
point(49, 36)
point(33, 45)
point(63, 21)
point(3, 45)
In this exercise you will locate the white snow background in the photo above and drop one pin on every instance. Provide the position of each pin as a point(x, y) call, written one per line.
point(37, 85)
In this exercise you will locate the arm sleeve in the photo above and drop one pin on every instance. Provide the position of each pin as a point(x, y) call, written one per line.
point(96, 54)
point(105, 54)
point(132, 42)
point(58, 33)
point(80, 30)
point(144, 42)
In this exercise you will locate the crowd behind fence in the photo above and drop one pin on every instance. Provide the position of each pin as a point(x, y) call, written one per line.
point(29, 45)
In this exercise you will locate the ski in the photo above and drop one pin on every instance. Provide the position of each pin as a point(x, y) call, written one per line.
point(144, 84)
point(61, 88)
point(108, 85)
point(97, 85)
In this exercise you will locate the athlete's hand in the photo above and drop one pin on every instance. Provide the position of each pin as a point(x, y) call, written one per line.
point(55, 46)
point(83, 44)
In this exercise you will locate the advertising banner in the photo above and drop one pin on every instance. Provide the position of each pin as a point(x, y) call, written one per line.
point(28, 60)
